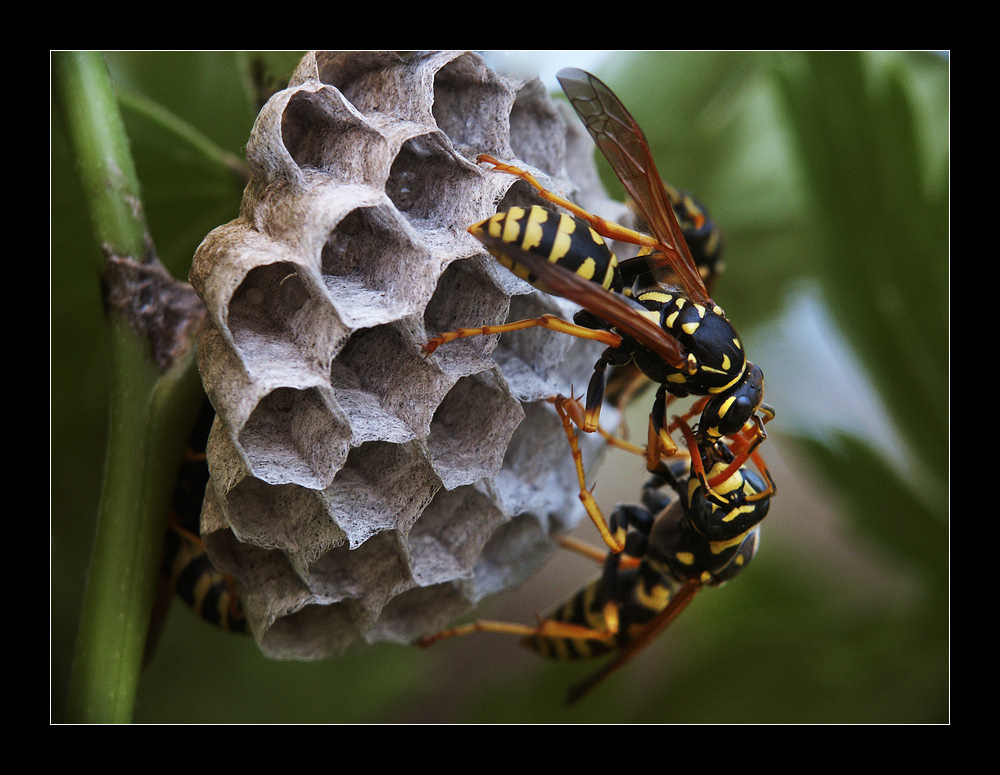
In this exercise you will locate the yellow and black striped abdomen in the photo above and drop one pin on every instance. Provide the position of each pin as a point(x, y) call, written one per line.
point(558, 238)
point(583, 609)
point(640, 594)
point(207, 590)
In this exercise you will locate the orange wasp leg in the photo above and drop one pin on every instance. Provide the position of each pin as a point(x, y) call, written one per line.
point(660, 443)
point(621, 443)
point(581, 547)
point(604, 227)
point(628, 388)
point(591, 552)
point(546, 628)
point(550, 322)
point(565, 408)
point(746, 449)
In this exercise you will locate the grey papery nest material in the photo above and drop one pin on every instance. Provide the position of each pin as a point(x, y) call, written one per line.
point(357, 487)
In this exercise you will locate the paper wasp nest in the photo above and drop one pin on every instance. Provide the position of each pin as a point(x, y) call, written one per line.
point(359, 488)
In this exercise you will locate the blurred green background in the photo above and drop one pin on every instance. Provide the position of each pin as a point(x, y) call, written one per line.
point(829, 175)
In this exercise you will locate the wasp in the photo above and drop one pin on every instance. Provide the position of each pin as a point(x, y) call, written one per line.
point(186, 570)
point(192, 575)
point(652, 311)
point(678, 541)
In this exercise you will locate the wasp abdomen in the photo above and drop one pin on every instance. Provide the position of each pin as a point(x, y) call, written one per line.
point(640, 594)
point(207, 590)
point(559, 238)
point(701, 234)
point(583, 609)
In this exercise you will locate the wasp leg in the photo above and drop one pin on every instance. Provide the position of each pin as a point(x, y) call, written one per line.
point(620, 443)
point(482, 625)
point(659, 442)
point(589, 419)
point(624, 514)
point(660, 446)
point(545, 321)
point(772, 488)
point(567, 407)
point(623, 385)
point(546, 628)
point(599, 628)
point(582, 547)
point(607, 229)
point(697, 467)
point(613, 356)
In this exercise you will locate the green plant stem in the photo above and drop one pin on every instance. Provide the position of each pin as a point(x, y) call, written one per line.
point(152, 405)
point(87, 105)
point(144, 449)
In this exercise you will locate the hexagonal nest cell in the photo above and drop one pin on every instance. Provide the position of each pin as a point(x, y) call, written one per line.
point(360, 489)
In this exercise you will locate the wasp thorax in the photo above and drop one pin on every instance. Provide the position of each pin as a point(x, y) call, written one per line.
point(359, 489)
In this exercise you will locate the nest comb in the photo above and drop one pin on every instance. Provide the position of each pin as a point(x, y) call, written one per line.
point(359, 489)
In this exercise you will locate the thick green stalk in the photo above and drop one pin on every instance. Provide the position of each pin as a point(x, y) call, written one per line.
point(153, 396)
point(144, 447)
point(83, 94)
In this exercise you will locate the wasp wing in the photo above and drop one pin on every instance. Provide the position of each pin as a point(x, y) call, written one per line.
point(613, 308)
point(656, 625)
point(624, 145)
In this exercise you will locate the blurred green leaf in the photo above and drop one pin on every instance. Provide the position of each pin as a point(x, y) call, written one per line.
point(908, 525)
point(872, 166)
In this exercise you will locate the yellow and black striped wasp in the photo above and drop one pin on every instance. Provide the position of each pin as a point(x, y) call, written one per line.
point(676, 542)
point(653, 311)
